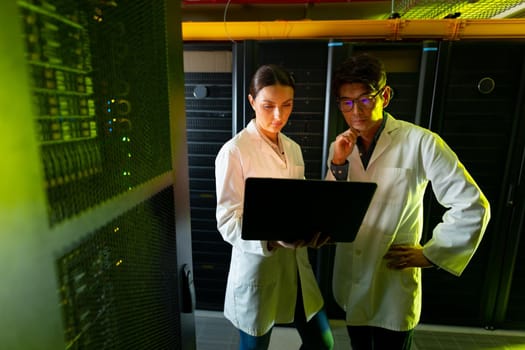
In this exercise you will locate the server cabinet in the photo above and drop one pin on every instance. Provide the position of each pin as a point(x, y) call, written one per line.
point(478, 109)
point(95, 227)
point(306, 60)
point(209, 117)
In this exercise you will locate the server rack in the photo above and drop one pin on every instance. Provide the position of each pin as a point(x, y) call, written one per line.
point(209, 116)
point(478, 109)
point(95, 217)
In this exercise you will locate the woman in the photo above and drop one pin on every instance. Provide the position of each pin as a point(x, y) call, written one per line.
point(269, 282)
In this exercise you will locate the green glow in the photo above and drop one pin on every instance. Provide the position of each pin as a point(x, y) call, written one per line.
point(438, 9)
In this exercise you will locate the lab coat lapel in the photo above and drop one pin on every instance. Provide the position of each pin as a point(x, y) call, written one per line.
point(267, 149)
point(258, 140)
point(384, 140)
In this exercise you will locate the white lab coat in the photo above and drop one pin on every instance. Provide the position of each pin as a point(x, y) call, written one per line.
point(405, 160)
point(262, 285)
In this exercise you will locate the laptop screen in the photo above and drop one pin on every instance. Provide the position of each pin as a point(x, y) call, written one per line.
point(293, 209)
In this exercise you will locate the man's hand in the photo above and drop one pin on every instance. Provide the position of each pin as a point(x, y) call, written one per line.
point(403, 256)
point(343, 145)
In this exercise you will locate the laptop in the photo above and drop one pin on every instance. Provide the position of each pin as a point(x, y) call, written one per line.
point(294, 209)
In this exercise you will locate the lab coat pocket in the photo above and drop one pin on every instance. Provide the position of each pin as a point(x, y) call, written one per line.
point(391, 199)
point(393, 185)
point(255, 305)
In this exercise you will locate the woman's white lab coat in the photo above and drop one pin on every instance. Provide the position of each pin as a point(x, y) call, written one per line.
point(262, 285)
point(405, 160)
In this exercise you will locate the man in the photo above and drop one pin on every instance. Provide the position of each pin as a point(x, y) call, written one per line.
point(377, 278)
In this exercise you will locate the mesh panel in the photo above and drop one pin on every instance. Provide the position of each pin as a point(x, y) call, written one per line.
point(437, 9)
point(118, 287)
point(98, 73)
point(207, 106)
point(201, 122)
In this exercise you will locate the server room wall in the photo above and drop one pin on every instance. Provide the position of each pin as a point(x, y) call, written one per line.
point(437, 85)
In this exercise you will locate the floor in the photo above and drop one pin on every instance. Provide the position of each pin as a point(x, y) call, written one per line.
point(214, 332)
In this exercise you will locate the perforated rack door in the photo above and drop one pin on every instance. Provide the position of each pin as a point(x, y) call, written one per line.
point(95, 209)
point(118, 285)
point(99, 85)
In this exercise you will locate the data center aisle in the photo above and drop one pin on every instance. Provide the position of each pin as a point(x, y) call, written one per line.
point(215, 332)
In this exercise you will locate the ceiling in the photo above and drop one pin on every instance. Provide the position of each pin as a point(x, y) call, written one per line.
point(295, 10)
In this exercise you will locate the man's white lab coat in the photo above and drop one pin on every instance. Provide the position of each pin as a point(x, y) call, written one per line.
point(406, 158)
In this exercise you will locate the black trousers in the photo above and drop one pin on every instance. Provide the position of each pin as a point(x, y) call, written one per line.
point(375, 338)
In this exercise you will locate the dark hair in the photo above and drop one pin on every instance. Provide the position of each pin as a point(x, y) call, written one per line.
point(270, 74)
point(362, 68)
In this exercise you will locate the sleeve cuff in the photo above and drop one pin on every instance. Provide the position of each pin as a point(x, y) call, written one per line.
point(433, 264)
point(340, 172)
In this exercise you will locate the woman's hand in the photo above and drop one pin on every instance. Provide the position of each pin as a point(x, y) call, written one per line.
point(282, 244)
point(318, 240)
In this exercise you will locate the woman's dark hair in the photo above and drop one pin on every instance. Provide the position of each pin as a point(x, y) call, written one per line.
point(270, 74)
point(362, 68)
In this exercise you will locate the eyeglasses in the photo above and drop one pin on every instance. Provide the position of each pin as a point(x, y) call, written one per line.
point(365, 102)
